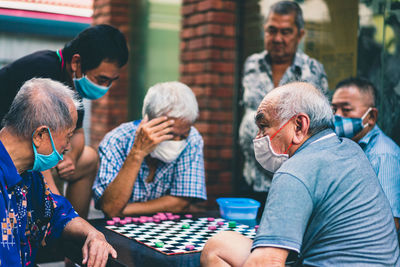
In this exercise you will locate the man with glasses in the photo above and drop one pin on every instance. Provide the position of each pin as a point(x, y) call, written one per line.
point(280, 63)
point(354, 105)
point(88, 64)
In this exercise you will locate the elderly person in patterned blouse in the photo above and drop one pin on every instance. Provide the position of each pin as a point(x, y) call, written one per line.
point(156, 164)
point(280, 63)
point(36, 133)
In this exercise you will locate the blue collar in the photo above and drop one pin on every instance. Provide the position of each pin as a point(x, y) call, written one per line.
point(11, 175)
point(314, 138)
point(371, 134)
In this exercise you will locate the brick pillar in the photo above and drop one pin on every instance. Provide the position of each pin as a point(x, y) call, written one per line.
point(112, 109)
point(208, 66)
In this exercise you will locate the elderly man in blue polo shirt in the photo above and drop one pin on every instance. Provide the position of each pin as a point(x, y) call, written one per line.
point(156, 164)
point(325, 206)
point(355, 117)
point(36, 134)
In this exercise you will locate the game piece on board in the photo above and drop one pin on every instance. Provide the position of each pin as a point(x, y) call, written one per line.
point(110, 222)
point(210, 219)
point(212, 227)
point(128, 219)
point(189, 216)
point(185, 226)
point(256, 227)
point(159, 244)
point(122, 222)
point(232, 224)
point(189, 247)
point(116, 219)
point(220, 223)
point(176, 217)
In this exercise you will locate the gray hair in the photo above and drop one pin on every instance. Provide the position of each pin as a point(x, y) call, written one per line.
point(300, 97)
point(172, 99)
point(286, 8)
point(41, 102)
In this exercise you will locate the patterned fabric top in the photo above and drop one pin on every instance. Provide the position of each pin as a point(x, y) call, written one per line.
point(384, 155)
point(30, 214)
point(183, 177)
point(257, 82)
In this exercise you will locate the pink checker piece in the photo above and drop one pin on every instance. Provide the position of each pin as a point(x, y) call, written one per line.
point(156, 217)
point(142, 220)
point(116, 219)
point(220, 223)
point(189, 216)
point(150, 219)
point(135, 219)
point(210, 219)
point(189, 247)
point(156, 220)
point(110, 222)
point(256, 227)
point(176, 217)
point(128, 219)
point(212, 227)
point(122, 222)
point(168, 214)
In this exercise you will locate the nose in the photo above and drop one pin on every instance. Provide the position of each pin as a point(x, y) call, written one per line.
point(338, 112)
point(278, 37)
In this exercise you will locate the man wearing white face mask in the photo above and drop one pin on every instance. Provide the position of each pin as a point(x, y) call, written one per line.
point(355, 117)
point(325, 206)
point(153, 165)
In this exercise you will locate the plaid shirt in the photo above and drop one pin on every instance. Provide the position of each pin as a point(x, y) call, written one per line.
point(257, 82)
point(183, 177)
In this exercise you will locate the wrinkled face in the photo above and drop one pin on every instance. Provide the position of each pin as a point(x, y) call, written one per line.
point(348, 102)
point(180, 129)
point(104, 74)
point(268, 125)
point(281, 37)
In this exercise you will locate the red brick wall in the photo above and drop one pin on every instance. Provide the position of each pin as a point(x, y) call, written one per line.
point(208, 49)
point(112, 109)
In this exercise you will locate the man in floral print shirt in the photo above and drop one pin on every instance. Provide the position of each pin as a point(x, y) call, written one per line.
point(36, 133)
point(280, 63)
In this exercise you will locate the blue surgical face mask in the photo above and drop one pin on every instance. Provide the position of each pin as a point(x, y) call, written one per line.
point(88, 89)
point(45, 162)
point(349, 127)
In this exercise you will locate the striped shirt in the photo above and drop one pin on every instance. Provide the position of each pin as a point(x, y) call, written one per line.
point(384, 155)
point(183, 177)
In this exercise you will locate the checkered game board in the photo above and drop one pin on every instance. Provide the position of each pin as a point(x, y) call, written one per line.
point(174, 238)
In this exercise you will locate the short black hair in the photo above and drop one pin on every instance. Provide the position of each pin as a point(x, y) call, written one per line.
point(363, 84)
point(98, 43)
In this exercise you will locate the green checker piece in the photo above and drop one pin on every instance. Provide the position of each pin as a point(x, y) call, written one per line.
point(159, 244)
point(185, 226)
point(232, 224)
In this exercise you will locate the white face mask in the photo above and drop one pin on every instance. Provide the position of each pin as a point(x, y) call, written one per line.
point(266, 156)
point(168, 151)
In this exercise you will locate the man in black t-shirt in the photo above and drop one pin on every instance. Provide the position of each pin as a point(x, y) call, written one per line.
point(88, 64)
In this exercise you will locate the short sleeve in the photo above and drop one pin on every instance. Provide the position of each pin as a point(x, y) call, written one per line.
point(112, 156)
point(286, 214)
point(63, 214)
point(387, 168)
point(189, 180)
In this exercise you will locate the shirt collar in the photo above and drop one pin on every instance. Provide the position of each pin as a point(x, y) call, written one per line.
point(11, 175)
point(298, 60)
point(314, 138)
point(367, 138)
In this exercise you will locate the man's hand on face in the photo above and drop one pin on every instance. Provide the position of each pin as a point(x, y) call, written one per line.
point(66, 168)
point(151, 133)
point(96, 249)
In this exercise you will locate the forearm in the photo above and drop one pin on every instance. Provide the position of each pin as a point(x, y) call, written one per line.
point(267, 256)
point(162, 204)
point(77, 144)
point(119, 191)
point(79, 229)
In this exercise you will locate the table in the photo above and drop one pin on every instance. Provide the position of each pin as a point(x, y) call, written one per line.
point(132, 253)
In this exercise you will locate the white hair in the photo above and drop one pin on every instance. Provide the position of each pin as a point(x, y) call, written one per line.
point(300, 97)
point(172, 99)
point(41, 101)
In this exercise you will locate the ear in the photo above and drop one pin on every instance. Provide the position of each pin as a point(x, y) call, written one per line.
point(372, 117)
point(76, 65)
point(301, 124)
point(301, 34)
point(38, 135)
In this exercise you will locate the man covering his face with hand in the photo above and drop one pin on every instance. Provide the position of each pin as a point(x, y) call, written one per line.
point(156, 164)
